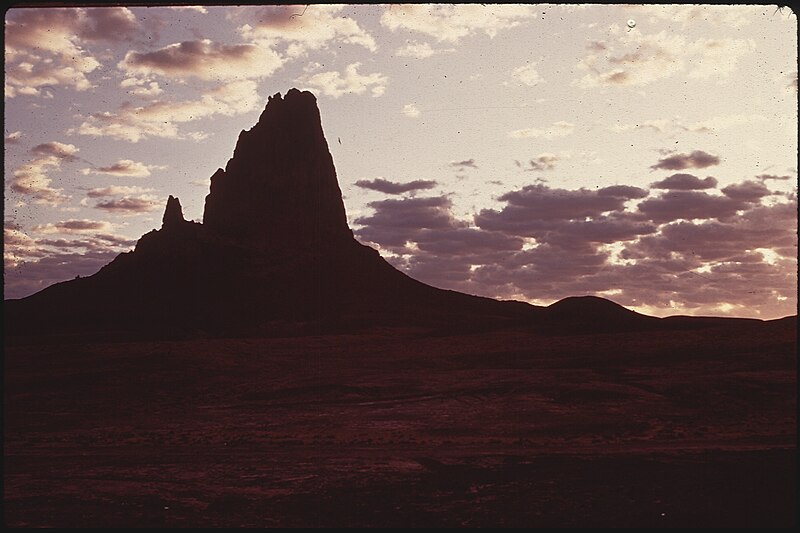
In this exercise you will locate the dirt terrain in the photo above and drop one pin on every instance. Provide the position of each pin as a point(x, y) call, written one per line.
point(407, 428)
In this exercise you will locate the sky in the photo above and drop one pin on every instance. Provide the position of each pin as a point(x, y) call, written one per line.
point(646, 154)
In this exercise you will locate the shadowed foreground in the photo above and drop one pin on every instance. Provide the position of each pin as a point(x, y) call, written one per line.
point(400, 428)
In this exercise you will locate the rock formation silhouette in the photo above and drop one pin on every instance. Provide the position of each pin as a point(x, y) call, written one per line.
point(274, 254)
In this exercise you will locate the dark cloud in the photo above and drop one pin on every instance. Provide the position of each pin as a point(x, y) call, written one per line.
point(540, 162)
point(465, 241)
point(71, 226)
point(396, 222)
point(461, 165)
point(527, 208)
point(696, 159)
point(748, 191)
point(391, 187)
point(130, 205)
point(685, 182)
point(767, 177)
point(108, 24)
point(628, 192)
point(683, 251)
point(674, 205)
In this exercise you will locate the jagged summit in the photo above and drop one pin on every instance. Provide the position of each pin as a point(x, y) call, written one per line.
point(280, 190)
point(173, 214)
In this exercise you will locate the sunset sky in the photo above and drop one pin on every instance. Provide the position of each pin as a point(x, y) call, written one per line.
point(647, 154)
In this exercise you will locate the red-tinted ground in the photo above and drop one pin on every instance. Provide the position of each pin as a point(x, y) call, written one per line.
point(402, 429)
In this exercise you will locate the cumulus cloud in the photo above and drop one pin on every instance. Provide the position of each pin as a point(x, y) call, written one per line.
point(72, 226)
point(558, 129)
point(335, 84)
point(685, 251)
point(411, 110)
point(204, 59)
point(13, 137)
point(533, 203)
point(124, 167)
point(160, 118)
point(32, 178)
point(748, 191)
point(688, 205)
point(131, 204)
point(453, 22)
point(685, 182)
point(420, 50)
point(637, 59)
point(303, 28)
point(115, 190)
point(44, 47)
point(391, 187)
point(696, 159)
point(544, 161)
point(64, 152)
point(527, 75)
point(462, 165)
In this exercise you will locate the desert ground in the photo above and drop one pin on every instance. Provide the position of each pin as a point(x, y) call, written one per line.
point(406, 428)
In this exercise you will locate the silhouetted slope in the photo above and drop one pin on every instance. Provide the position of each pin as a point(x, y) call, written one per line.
point(274, 252)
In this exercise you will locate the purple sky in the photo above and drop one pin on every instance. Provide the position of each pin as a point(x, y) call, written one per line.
point(646, 154)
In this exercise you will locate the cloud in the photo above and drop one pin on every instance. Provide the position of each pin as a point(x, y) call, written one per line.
point(391, 187)
point(115, 190)
point(131, 205)
point(462, 165)
point(688, 205)
point(141, 87)
point(767, 177)
point(13, 137)
point(205, 60)
point(420, 50)
point(396, 221)
point(696, 159)
point(684, 252)
point(44, 46)
point(411, 110)
point(541, 162)
point(679, 125)
point(685, 182)
point(160, 118)
point(124, 167)
point(558, 129)
point(108, 24)
point(335, 84)
point(64, 152)
point(527, 75)
point(453, 22)
point(32, 178)
point(33, 274)
point(748, 191)
point(72, 226)
point(303, 28)
point(637, 59)
point(198, 9)
point(526, 208)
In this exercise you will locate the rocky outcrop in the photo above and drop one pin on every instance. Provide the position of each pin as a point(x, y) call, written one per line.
point(274, 249)
point(173, 214)
point(280, 188)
